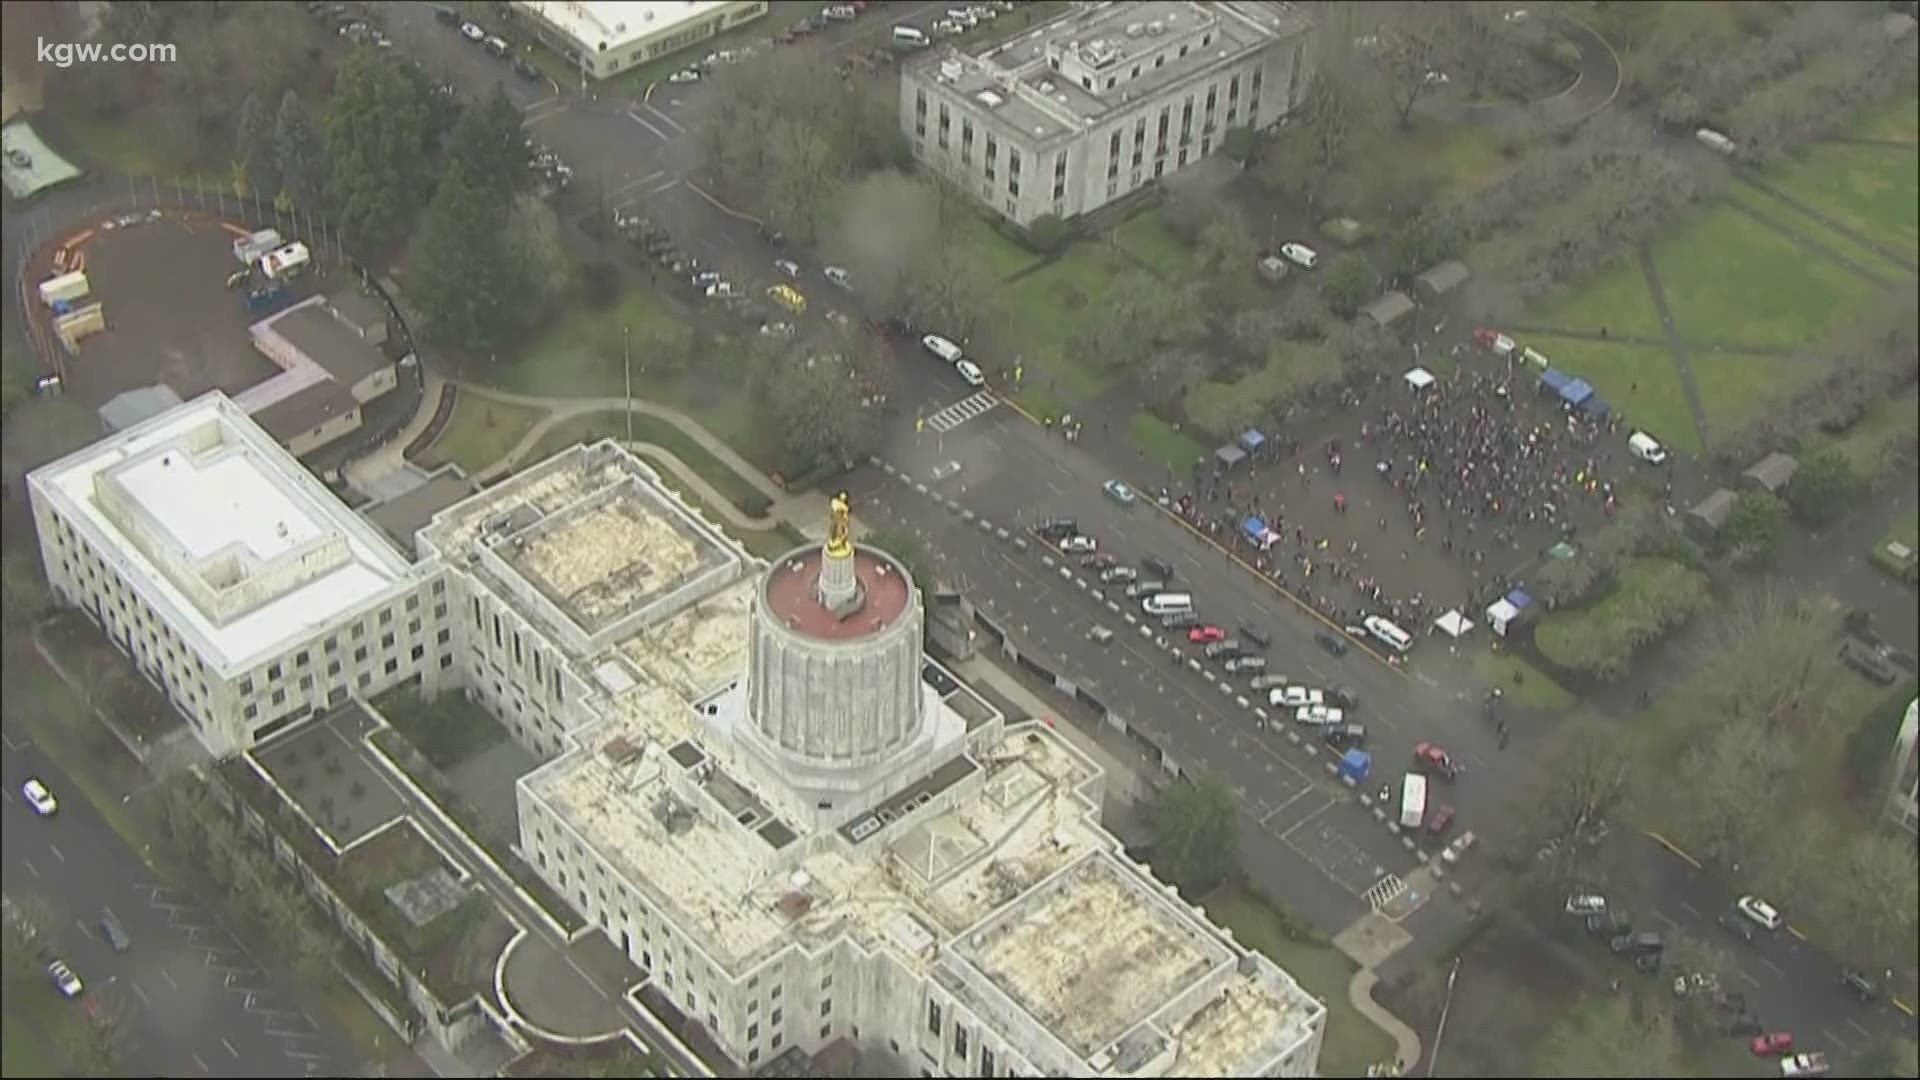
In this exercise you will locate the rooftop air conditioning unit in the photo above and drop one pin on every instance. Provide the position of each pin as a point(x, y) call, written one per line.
point(1156, 28)
point(988, 98)
point(1136, 29)
point(950, 69)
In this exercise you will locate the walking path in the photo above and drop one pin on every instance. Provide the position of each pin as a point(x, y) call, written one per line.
point(1644, 252)
point(1360, 996)
point(1753, 180)
point(1805, 242)
point(392, 455)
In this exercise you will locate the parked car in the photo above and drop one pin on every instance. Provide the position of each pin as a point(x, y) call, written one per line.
point(39, 797)
point(1586, 904)
point(787, 267)
point(970, 373)
point(1056, 526)
point(1611, 924)
point(1100, 560)
point(1862, 987)
point(1099, 635)
point(1345, 737)
point(1804, 1065)
point(1179, 620)
point(1267, 682)
point(1319, 715)
point(1294, 697)
point(1334, 644)
point(64, 979)
point(1118, 573)
point(1119, 492)
point(1343, 697)
point(1440, 820)
point(941, 347)
point(472, 32)
point(1762, 913)
point(838, 276)
point(1158, 567)
point(1206, 633)
point(1226, 647)
point(115, 934)
point(1772, 1043)
point(1299, 255)
point(1077, 543)
point(1737, 925)
point(1646, 941)
point(1256, 636)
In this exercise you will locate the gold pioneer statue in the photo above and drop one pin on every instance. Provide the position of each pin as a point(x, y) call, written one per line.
point(839, 528)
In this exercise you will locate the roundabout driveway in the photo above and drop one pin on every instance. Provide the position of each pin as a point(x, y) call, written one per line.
point(553, 993)
point(1594, 87)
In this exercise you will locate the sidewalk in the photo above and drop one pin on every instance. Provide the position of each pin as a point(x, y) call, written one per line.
point(392, 455)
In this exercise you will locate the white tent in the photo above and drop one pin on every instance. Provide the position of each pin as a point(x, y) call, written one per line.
point(1500, 614)
point(1454, 624)
point(1419, 378)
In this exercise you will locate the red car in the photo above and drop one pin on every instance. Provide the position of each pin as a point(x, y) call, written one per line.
point(1440, 820)
point(1206, 633)
point(1432, 757)
point(1773, 1043)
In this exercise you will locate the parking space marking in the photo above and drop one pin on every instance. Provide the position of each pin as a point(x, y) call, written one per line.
point(1855, 1025)
point(141, 994)
point(1828, 1032)
point(1295, 797)
point(664, 118)
point(657, 133)
point(1385, 891)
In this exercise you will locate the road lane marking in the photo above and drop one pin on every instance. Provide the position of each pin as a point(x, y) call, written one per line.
point(631, 184)
point(229, 1046)
point(141, 994)
point(1771, 966)
point(1662, 916)
point(31, 869)
point(202, 1064)
point(88, 934)
point(1689, 909)
point(1828, 1032)
point(57, 853)
point(1749, 978)
point(169, 979)
point(657, 133)
point(664, 118)
point(1674, 848)
point(1296, 797)
point(1795, 932)
point(1855, 1025)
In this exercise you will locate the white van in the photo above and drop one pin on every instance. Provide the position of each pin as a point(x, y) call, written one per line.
point(1387, 634)
point(908, 37)
point(1167, 603)
point(1646, 448)
point(942, 348)
point(1715, 141)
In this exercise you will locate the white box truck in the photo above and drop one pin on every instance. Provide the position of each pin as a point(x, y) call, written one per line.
point(1413, 801)
point(284, 263)
point(64, 289)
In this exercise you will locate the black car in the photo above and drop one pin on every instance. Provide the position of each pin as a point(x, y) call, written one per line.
point(941, 683)
point(1335, 645)
point(1646, 941)
point(1610, 924)
point(446, 15)
point(1738, 925)
point(1862, 987)
point(1180, 620)
point(1159, 568)
point(1344, 737)
point(1055, 527)
point(1744, 1026)
point(1343, 697)
point(1647, 963)
point(1257, 636)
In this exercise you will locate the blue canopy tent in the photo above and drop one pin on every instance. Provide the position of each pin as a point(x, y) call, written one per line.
point(1555, 380)
point(1251, 440)
point(1258, 533)
point(1596, 407)
point(1575, 392)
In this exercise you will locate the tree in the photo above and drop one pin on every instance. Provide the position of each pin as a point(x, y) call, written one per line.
point(1308, 152)
point(911, 550)
point(1423, 242)
point(1753, 525)
point(461, 272)
point(377, 139)
point(1575, 810)
point(1228, 250)
point(1615, 1035)
point(1143, 314)
point(488, 146)
point(256, 158)
point(806, 401)
point(1239, 144)
point(299, 153)
point(1823, 487)
point(545, 270)
point(1196, 835)
point(1471, 31)
point(1406, 58)
point(1349, 284)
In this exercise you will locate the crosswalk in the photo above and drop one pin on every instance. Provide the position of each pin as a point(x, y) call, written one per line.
point(1385, 891)
point(962, 411)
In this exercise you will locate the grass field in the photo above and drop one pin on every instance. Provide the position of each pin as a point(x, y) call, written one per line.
point(1146, 237)
point(1002, 256)
point(1616, 298)
point(1640, 382)
point(25, 1045)
point(1352, 1041)
point(581, 355)
point(1452, 161)
point(1897, 121)
point(1872, 260)
point(651, 429)
point(1045, 310)
point(1161, 443)
point(1735, 387)
point(1873, 190)
point(1534, 689)
point(1728, 276)
point(480, 432)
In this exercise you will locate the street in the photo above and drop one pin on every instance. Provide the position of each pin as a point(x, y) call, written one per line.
point(195, 1002)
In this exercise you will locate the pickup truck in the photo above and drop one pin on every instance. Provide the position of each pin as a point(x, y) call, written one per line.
point(1814, 1064)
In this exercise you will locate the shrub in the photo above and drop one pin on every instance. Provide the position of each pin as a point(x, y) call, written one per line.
point(1047, 234)
point(602, 284)
point(1349, 284)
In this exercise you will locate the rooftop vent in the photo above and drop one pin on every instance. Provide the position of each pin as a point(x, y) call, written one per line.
point(950, 69)
point(1156, 28)
point(990, 99)
point(1136, 29)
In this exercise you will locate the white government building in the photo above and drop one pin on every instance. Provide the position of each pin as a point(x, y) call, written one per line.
point(747, 779)
point(605, 37)
point(1091, 106)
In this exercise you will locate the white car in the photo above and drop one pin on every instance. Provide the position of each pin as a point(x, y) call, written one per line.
point(787, 267)
point(948, 28)
point(1516, 15)
point(64, 979)
point(1319, 714)
point(1761, 912)
point(1437, 78)
point(685, 75)
point(942, 348)
point(472, 32)
point(1585, 904)
point(1300, 255)
point(838, 276)
point(1078, 544)
point(970, 373)
point(962, 16)
point(39, 797)
point(1294, 697)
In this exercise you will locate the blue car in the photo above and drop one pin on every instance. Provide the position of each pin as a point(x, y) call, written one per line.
point(1118, 492)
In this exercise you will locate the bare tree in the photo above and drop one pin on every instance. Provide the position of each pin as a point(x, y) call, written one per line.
point(1406, 58)
point(1470, 32)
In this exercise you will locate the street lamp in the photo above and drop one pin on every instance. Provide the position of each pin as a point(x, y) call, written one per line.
point(1440, 1029)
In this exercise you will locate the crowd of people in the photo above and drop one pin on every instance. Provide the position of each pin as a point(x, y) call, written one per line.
point(1467, 464)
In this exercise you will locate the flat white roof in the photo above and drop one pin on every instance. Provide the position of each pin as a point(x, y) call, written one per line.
point(603, 25)
point(238, 547)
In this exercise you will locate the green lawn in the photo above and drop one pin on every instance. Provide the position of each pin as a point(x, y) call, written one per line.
point(1728, 276)
point(1874, 190)
point(480, 432)
point(1044, 310)
point(25, 1048)
point(1146, 237)
point(1000, 254)
point(1908, 530)
point(1452, 161)
point(1534, 689)
point(447, 730)
point(1616, 297)
point(1640, 382)
point(1898, 120)
point(1867, 258)
point(1866, 440)
point(1160, 442)
point(581, 354)
point(651, 429)
point(1352, 1041)
point(1735, 387)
